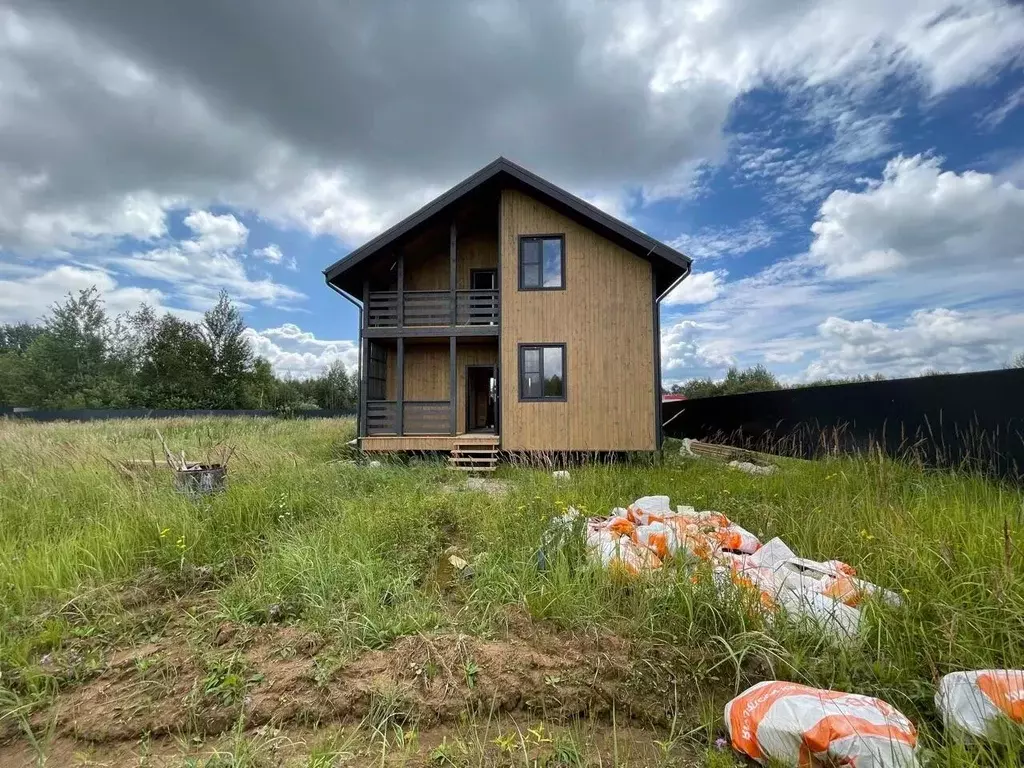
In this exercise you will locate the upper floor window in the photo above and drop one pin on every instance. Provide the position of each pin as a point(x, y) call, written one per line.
point(541, 262)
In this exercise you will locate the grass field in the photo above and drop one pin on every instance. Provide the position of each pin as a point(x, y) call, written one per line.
point(310, 616)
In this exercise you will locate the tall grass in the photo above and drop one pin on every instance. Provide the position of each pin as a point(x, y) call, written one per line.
point(302, 536)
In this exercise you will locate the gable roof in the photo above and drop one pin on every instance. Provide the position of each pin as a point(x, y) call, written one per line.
point(670, 266)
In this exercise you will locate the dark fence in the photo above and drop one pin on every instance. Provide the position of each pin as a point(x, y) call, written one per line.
point(86, 414)
point(945, 420)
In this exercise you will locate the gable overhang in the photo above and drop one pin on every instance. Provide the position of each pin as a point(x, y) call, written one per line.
point(669, 265)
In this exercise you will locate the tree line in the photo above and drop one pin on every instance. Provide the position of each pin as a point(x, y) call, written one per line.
point(79, 357)
point(755, 379)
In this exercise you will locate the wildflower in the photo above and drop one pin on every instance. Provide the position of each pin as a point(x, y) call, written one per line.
point(165, 532)
point(866, 536)
point(721, 744)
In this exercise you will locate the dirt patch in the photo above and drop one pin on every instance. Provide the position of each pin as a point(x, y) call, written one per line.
point(501, 741)
point(284, 675)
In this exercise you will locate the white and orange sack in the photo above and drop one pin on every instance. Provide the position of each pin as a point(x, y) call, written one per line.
point(640, 537)
point(802, 726)
point(982, 702)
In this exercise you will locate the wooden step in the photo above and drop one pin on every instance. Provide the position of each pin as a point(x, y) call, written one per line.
point(473, 469)
point(472, 460)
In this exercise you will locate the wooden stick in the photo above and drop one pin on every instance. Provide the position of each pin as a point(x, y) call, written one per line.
point(167, 451)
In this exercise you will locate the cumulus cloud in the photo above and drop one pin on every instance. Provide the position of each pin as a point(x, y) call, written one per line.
point(26, 295)
point(338, 118)
point(919, 217)
point(271, 253)
point(699, 288)
point(687, 351)
point(918, 238)
point(216, 233)
point(294, 352)
point(937, 339)
point(198, 268)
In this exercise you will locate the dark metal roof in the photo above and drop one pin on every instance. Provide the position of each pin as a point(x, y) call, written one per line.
point(670, 264)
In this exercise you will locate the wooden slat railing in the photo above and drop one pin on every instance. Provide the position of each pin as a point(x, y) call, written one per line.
point(477, 307)
point(428, 308)
point(433, 308)
point(423, 417)
point(383, 310)
point(381, 417)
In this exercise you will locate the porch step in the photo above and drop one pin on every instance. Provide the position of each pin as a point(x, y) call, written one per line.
point(474, 457)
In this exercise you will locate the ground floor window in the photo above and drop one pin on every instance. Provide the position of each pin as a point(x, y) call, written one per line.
point(542, 371)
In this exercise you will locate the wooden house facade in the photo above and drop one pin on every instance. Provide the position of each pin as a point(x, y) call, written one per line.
point(508, 314)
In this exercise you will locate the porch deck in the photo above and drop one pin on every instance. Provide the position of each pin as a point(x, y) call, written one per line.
point(383, 443)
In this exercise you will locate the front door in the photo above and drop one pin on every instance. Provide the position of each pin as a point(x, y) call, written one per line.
point(481, 398)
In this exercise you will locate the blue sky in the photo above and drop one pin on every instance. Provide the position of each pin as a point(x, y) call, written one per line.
point(848, 176)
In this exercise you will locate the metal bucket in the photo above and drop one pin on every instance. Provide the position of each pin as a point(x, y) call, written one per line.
point(201, 480)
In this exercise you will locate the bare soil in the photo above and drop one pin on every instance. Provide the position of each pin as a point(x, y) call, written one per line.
point(197, 681)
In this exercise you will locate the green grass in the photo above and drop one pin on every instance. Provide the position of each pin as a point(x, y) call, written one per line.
point(302, 537)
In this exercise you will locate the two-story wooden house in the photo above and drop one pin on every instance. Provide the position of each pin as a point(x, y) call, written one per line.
point(509, 314)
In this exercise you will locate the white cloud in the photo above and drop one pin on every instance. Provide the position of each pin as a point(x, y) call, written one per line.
point(687, 351)
point(216, 233)
point(141, 216)
point(937, 339)
point(993, 117)
point(271, 253)
point(950, 242)
point(200, 267)
point(920, 217)
point(27, 295)
point(715, 243)
point(113, 118)
point(699, 288)
point(858, 44)
point(294, 352)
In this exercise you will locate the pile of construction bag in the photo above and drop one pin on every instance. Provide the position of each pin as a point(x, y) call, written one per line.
point(782, 721)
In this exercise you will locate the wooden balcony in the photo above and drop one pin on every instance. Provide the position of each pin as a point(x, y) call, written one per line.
point(419, 417)
point(476, 310)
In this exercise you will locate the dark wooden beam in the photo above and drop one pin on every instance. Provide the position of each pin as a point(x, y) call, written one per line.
point(366, 304)
point(453, 277)
point(400, 388)
point(453, 388)
point(431, 331)
point(658, 430)
point(401, 290)
point(364, 374)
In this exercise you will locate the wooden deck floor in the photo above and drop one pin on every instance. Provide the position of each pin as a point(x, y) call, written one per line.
point(379, 443)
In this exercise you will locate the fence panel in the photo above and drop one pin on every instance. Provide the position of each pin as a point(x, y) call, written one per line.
point(946, 420)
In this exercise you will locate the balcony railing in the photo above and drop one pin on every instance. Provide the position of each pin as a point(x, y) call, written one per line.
point(433, 308)
point(419, 417)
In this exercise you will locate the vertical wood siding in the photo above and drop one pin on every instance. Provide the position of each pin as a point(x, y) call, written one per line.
point(603, 317)
point(426, 260)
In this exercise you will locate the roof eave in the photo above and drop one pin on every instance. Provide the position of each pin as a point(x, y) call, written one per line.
point(594, 215)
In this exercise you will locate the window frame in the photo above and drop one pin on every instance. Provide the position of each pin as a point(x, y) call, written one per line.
point(542, 345)
point(560, 236)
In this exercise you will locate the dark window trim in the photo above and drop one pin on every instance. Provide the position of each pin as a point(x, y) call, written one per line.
point(565, 371)
point(490, 270)
point(519, 262)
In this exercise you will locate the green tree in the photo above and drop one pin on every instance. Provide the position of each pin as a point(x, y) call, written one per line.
point(175, 365)
point(67, 364)
point(17, 337)
point(339, 389)
point(230, 354)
